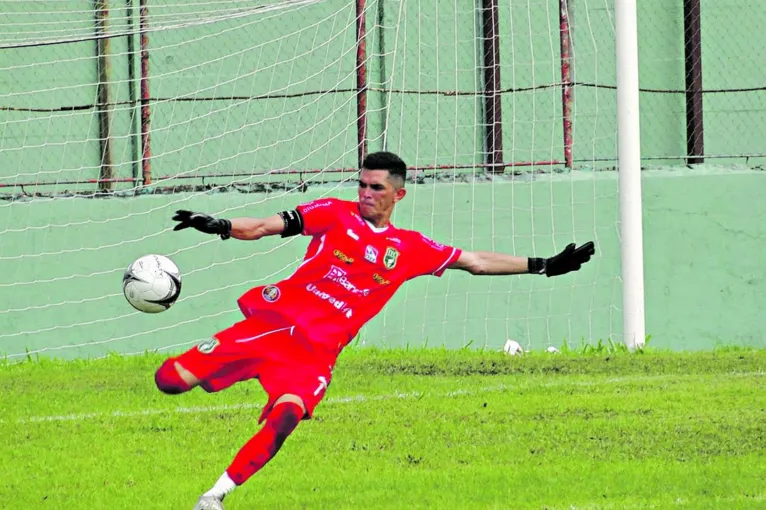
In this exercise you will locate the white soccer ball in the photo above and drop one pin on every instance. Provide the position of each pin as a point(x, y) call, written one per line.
point(152, 283)
point(513, 348)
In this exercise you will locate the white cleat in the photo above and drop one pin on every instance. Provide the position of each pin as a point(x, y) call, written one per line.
point(208, 503)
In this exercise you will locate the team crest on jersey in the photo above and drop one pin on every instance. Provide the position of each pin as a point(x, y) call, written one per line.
point(390, 258)
point(271, 293)
point(371, 254)
point(208, 346)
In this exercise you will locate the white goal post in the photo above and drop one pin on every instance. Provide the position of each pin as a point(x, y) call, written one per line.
point(629, 164)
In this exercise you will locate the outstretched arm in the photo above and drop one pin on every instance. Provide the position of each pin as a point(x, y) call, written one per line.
point(491, 263)
point(252, 229)
point(246, 229)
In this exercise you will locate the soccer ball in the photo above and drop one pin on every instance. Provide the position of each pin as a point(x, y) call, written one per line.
point(152, 283)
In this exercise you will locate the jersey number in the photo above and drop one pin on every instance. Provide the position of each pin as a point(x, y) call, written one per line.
point(322, 385)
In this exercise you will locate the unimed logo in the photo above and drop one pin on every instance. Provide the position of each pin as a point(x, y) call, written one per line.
point(337, 303)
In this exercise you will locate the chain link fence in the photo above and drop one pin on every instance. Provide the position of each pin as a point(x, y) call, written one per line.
point(115, 94)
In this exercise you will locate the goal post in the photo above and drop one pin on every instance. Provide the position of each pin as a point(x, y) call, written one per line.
point(629, 168)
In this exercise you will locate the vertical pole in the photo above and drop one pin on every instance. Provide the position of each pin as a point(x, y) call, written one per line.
point(104, 107)
point(566, 79)
point(629, 162)
point(143, 19)
point(492, 99)
point(134, 136)
point(695, 146)
point(382, 74)
point(361, 82)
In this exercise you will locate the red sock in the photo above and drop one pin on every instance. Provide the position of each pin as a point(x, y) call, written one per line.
point(282, 420)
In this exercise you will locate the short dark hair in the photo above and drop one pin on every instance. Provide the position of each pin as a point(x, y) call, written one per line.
point(386, 161)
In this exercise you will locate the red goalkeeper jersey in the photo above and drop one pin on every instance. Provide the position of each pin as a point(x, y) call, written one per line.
point(350, 271)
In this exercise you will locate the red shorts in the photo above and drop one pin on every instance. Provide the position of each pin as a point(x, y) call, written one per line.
point(277, 355)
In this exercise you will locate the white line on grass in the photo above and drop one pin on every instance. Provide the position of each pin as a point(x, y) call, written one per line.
point(239, 407)
point(363, 398)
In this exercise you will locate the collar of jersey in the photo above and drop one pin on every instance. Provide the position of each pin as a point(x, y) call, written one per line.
point(375, 229)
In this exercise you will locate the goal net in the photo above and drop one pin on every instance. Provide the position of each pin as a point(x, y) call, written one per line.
point(115, 113)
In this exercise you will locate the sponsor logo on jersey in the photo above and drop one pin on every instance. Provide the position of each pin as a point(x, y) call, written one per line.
point(350, 233)
point(342, 256)
point(380, 279)
point(338, 276)
point(394, 240)
point(271, 293)
point(432, 243)
point(208, 346)
point(390, 258)
point(371, 254)
point(337, 303)
point(315, 205)
point(357, 218)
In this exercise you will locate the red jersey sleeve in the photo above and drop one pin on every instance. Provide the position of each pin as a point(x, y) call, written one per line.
point(318, 215)
point(430, 257)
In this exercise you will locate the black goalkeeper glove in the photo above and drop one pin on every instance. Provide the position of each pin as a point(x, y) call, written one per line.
point(202, 222)
point(571, 259)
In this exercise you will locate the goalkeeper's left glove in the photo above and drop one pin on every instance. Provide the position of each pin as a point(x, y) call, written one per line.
point(570, 259)
point(202, 222)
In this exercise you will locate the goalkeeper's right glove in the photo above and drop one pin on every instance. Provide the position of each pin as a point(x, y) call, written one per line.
point(202, 222)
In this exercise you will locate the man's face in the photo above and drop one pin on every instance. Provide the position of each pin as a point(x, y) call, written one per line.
point(377, 194)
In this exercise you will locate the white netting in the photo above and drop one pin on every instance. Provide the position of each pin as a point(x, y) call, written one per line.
point(248, 108)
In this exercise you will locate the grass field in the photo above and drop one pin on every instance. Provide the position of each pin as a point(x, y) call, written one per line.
point(417, 429)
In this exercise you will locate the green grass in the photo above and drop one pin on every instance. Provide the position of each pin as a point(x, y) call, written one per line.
point(598, 428)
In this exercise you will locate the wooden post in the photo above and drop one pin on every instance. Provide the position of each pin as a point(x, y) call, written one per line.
point(102, 92)
point(361, 82)
point(132, 96)
point(566, 79)
point(493, 118)
point(382, 73)
point(143, 20)
point(695, 145)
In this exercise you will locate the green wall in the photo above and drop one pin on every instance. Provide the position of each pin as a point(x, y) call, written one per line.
point(62, 258)
point(704, 275)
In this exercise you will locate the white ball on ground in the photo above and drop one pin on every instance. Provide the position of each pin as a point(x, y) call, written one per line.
point(152, 283)
point(513, 348)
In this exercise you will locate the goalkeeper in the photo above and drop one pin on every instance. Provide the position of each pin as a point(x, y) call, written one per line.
point(293, 330)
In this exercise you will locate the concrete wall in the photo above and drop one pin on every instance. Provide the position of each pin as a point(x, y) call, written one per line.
point(705, 275)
